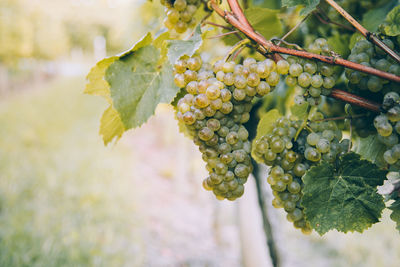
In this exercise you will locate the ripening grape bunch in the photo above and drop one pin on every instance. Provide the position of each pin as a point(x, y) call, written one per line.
point(290, 157)
point(367, 54)
point(180, 14)
point(387, 125)
point(216, 103)
point(312, 78)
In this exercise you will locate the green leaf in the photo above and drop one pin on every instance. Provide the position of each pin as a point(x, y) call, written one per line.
point(309, 5)
point(300, 111)
point(161, 43)
point(265, 126)
point(138, 84)
point(265, 21)
point(392, 25)
point(144, 41)
point(178, 48)
point(96, 84)
point(395, 216)
point(344, 198)
point(111, 125)
point(370, 148)
point(266, 123)
point(374, 17)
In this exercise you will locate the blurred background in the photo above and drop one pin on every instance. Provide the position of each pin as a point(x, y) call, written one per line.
point(67, 200)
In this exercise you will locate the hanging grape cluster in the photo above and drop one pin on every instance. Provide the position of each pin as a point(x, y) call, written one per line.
point(314, 79)
point(290, 158)
point(365, 53)
point(216, 103)
point(180, 14)
point(387, 125)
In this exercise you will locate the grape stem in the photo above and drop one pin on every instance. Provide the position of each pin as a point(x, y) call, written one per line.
point(237, 19)
point(223, 34)
point(221, 26)
point(292, 30)
point(321, 16)
point(236, 47)
point(367, 34)
point(341, 118)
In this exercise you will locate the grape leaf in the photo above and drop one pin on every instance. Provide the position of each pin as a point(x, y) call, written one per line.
point(111, 125)
point(309, 5)
point(138, 84)
point(392, 24)
point(96, 84)
point(370, 148)
point(144, 41)
point(265, 21)
point(266, 123)
point(161, 43)
point(344, 198)
point(395, 216)
point(300, 111)
point(264, 127)
point(178, 48)
point(374, 17)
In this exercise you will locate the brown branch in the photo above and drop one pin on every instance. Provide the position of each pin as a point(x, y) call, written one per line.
point(238, 12)
point(367, 34)
point(355, 100)
point(269, 47)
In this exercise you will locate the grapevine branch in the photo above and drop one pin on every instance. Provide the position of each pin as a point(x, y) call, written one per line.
point(266, 47)
point(269, 47)
point(367, 34)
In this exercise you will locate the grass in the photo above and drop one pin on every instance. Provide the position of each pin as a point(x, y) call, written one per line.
point(65, 200)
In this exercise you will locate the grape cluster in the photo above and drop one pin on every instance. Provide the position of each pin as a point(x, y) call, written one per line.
point(180, 14)
point(290, 159)
point(216, 103)
point(387, 125)
point(313, 79)
point(367, 54)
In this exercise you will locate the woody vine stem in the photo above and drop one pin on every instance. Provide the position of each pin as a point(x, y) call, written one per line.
point(238, 20)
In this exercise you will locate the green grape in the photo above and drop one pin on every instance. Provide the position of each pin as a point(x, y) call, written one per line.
point(295, 70)
point(253, 79)
point(228, 66)
point(291, 81)
point(180, 5)
point(304, 79)
point(310, 67)
point(313, 139)
point(317, 81)
point(179, 80)
point(273, 78)
point(329, 82)
point(323, 145)
point(263, 88)
point(282, 67)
